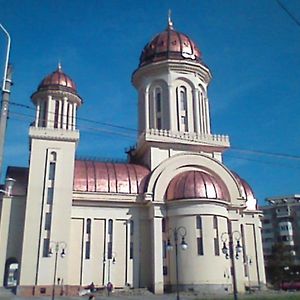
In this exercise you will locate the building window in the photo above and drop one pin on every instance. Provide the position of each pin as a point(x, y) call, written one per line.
point(216, 239)
point(158, 108)
point(131, 223)
point(163, 225)
point(46, 245)
point(62, 115)
point(87, 249)
point(158, 100)
point(110, 239)
point(50, 195)
point(198, 222)
point(88, 226)
point(51, 170)
point(131, 250)
point(56, 115)
point(48, 221)
point(200, 246)
point(88, 237)
point(182, 109)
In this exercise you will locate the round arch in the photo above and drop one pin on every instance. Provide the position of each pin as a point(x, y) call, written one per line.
point(167, 170)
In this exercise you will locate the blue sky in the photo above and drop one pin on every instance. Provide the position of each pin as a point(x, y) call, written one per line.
point(252, 48)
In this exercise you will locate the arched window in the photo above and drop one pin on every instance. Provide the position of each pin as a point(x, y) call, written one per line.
point(110, 239)
point(88, 239)
point(182, 109)
point(158, 108)
point(56, 114)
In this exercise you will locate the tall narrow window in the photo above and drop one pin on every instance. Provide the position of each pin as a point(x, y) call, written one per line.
point(182, 108)
point(50, 195)
point(51, 170)
point(131, 239)
point(216, 238)
point(110, 239)
point(48, 221)
point(158, 108)
point(200, 246)
point(46, 245)
point(62, 115)
point(68, 115)
point(200, 249)
point(56, 114)
point(199, 222)
point(88, 239)
point(43, 114)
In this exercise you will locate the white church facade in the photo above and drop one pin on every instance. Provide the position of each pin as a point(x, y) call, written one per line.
point(115, 222)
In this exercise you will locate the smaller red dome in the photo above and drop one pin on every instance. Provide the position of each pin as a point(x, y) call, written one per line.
point(58, 80)
point(170, 44)
point(196, 184)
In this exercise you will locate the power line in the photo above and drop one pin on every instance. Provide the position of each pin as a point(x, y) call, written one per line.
point(79, 118)
point(289, 13)
point(130, 135)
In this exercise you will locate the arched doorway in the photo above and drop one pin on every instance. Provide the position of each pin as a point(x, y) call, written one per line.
point(11, 273)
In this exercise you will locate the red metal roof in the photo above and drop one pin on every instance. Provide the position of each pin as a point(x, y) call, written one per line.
point(58, 79)
point(170, 44)
point(245, 188)
point(108, 177)
point(196, 184)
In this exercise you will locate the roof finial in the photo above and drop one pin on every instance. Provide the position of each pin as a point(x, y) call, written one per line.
point(170, 23)
point(59, 66)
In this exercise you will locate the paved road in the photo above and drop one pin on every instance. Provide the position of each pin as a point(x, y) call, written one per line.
point(6, 295)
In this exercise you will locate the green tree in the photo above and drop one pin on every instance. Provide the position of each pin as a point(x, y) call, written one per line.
point(279, 264)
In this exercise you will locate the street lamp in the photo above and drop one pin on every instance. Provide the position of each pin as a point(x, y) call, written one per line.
point(6, 84)
point(229, 253)
point(181, 231)
point(56, 247)
point(9, 184)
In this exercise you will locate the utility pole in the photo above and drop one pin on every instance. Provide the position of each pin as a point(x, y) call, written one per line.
point(6, 86)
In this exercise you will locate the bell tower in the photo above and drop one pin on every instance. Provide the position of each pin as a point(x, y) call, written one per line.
point(53, 139)
point(172, 83)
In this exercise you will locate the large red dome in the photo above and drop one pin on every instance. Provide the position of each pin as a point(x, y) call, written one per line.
point(196, 184)
point(58, 80)
point(170, 44)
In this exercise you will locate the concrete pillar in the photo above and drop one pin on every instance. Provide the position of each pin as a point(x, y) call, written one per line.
point(260, 257)
point(4, 229)
point(157, 251)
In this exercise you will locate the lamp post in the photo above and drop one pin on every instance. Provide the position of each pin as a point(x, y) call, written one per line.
point(181, 231)
point(56, 247)
point(230, 251)
point(9, 184)
point(6, 84)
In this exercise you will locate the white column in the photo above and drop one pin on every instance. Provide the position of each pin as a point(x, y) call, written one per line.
point(74, 116)
point(201, 112)
point(146, 107)
point(4, 229)
point(64, 125)
point(37, 113)
point(157, 251)
point(260, 257)
point(50, 113)
point(207, 115)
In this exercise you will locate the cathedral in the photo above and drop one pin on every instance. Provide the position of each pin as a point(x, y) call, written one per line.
point(173, 217)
